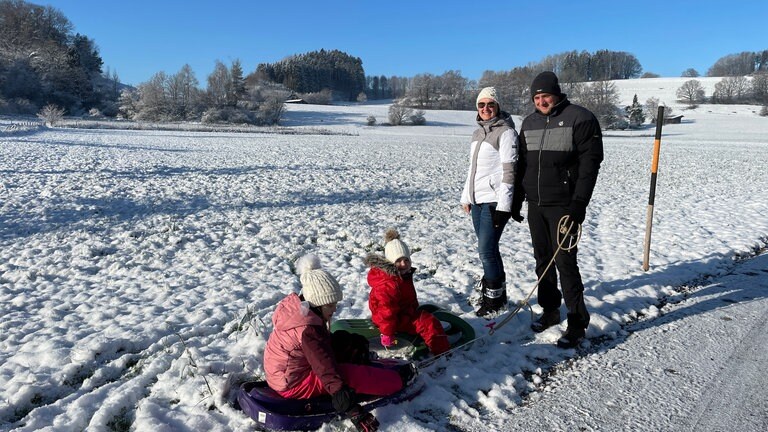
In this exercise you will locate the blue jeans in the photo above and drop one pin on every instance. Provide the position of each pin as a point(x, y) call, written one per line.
point(488, 240)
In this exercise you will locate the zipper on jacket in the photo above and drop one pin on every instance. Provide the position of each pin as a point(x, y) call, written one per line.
point(538, 172)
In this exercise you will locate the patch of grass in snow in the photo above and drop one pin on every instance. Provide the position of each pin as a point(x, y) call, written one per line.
point(121, 422)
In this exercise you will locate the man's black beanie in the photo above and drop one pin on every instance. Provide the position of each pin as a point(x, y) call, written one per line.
point(545, 82)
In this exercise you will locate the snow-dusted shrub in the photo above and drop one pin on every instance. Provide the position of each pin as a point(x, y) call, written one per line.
point(370, 121)
point(418, 118)
point(228, 115)
point(51, 114)
point(764, 111)
point(323, 97)
point(270, 111)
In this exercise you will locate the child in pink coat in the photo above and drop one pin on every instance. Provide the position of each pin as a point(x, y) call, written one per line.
point(302, 357)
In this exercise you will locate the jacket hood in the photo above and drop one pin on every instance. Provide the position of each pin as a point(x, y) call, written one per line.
point(503, 119)
point(382, 263)
point(291, 313)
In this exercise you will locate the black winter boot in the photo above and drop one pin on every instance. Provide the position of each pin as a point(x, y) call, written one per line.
point(576, 331)
point(546, 320)
point(494, 298)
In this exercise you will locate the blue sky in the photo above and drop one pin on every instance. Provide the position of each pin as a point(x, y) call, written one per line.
point(138, 38)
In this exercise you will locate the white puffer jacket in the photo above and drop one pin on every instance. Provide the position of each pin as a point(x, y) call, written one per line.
point(493, 156)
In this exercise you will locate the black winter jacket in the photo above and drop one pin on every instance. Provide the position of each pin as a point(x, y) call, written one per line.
point(560, 155)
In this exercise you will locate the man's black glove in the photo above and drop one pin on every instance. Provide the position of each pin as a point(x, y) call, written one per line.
point(577, 211)
point(363, 420)
point(516, 216)
point(500, 218)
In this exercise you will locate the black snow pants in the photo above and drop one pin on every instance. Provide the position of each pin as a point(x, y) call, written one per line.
point(542, 222)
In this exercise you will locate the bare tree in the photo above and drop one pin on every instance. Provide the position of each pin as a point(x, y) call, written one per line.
point(453, 90)
point(51, 114)
point(760, 88)
point(219, 82)
point(730, 89)
point(153, 102)
point(691, 92)
point(652, 108)
point(398, 113)
point(602, 98)
point(183, 93)
point(423, 91)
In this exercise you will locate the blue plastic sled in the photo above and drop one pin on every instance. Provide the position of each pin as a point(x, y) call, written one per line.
point(274, 412)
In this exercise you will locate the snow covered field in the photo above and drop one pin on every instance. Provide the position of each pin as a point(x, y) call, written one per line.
point(139, 269)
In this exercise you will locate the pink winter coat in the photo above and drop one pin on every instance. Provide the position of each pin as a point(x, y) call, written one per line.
point(300, 343)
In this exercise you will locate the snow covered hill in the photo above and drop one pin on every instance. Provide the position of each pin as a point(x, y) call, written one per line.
point(139, 269)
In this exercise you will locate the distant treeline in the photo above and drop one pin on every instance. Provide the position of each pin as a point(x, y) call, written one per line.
point(316, 71)
point(43, 62)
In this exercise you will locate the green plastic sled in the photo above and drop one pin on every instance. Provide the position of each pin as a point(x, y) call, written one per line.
point(409, 346)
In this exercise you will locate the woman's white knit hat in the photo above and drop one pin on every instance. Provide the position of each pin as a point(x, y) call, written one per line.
point(394, 248)
point(488, 93)
point(318, 286)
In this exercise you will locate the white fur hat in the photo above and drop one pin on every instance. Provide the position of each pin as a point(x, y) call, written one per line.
point(318, 286)
point(394, 248)
point(488, 93)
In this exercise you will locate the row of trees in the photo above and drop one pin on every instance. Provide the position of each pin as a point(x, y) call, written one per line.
point(602, 65)
point(229, 97)
point(453, 91)
point(42, 62)
point(741, 64)
point(735, 89)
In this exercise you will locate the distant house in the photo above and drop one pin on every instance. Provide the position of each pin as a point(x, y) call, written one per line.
point(676, 119)
point(300, 101)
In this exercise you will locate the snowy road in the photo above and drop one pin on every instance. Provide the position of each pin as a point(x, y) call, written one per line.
point(698, 367)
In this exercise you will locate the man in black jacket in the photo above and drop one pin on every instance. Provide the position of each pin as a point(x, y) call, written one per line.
point(561, 148)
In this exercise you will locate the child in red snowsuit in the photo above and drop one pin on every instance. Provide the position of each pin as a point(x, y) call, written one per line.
point(393, 302)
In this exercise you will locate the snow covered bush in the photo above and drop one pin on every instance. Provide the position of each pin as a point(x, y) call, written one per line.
point(418, 118)
point(228, 114)
point(323, 97)
point(51, 114)
point(370, 121)
point(270, 111)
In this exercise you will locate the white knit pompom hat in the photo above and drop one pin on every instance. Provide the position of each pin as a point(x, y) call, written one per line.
point(394, 248)
point(318, 286)
point(488, 93)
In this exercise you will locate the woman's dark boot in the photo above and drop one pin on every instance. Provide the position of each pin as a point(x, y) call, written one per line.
point(494, 298)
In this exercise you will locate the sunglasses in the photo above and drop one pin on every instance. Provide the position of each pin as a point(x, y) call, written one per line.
point(481, 105)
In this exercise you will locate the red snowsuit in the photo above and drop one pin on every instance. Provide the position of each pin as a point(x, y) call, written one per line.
point(394, 305)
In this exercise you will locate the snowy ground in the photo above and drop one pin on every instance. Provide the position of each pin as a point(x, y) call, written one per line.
point(139, 269)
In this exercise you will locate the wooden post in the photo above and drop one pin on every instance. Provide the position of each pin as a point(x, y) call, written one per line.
point(652, 194)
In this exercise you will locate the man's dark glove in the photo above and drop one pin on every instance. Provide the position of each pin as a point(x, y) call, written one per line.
point(500, 218)
point(516, 216)
point(363, 420)
point(344, 400)
point(577, 210)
